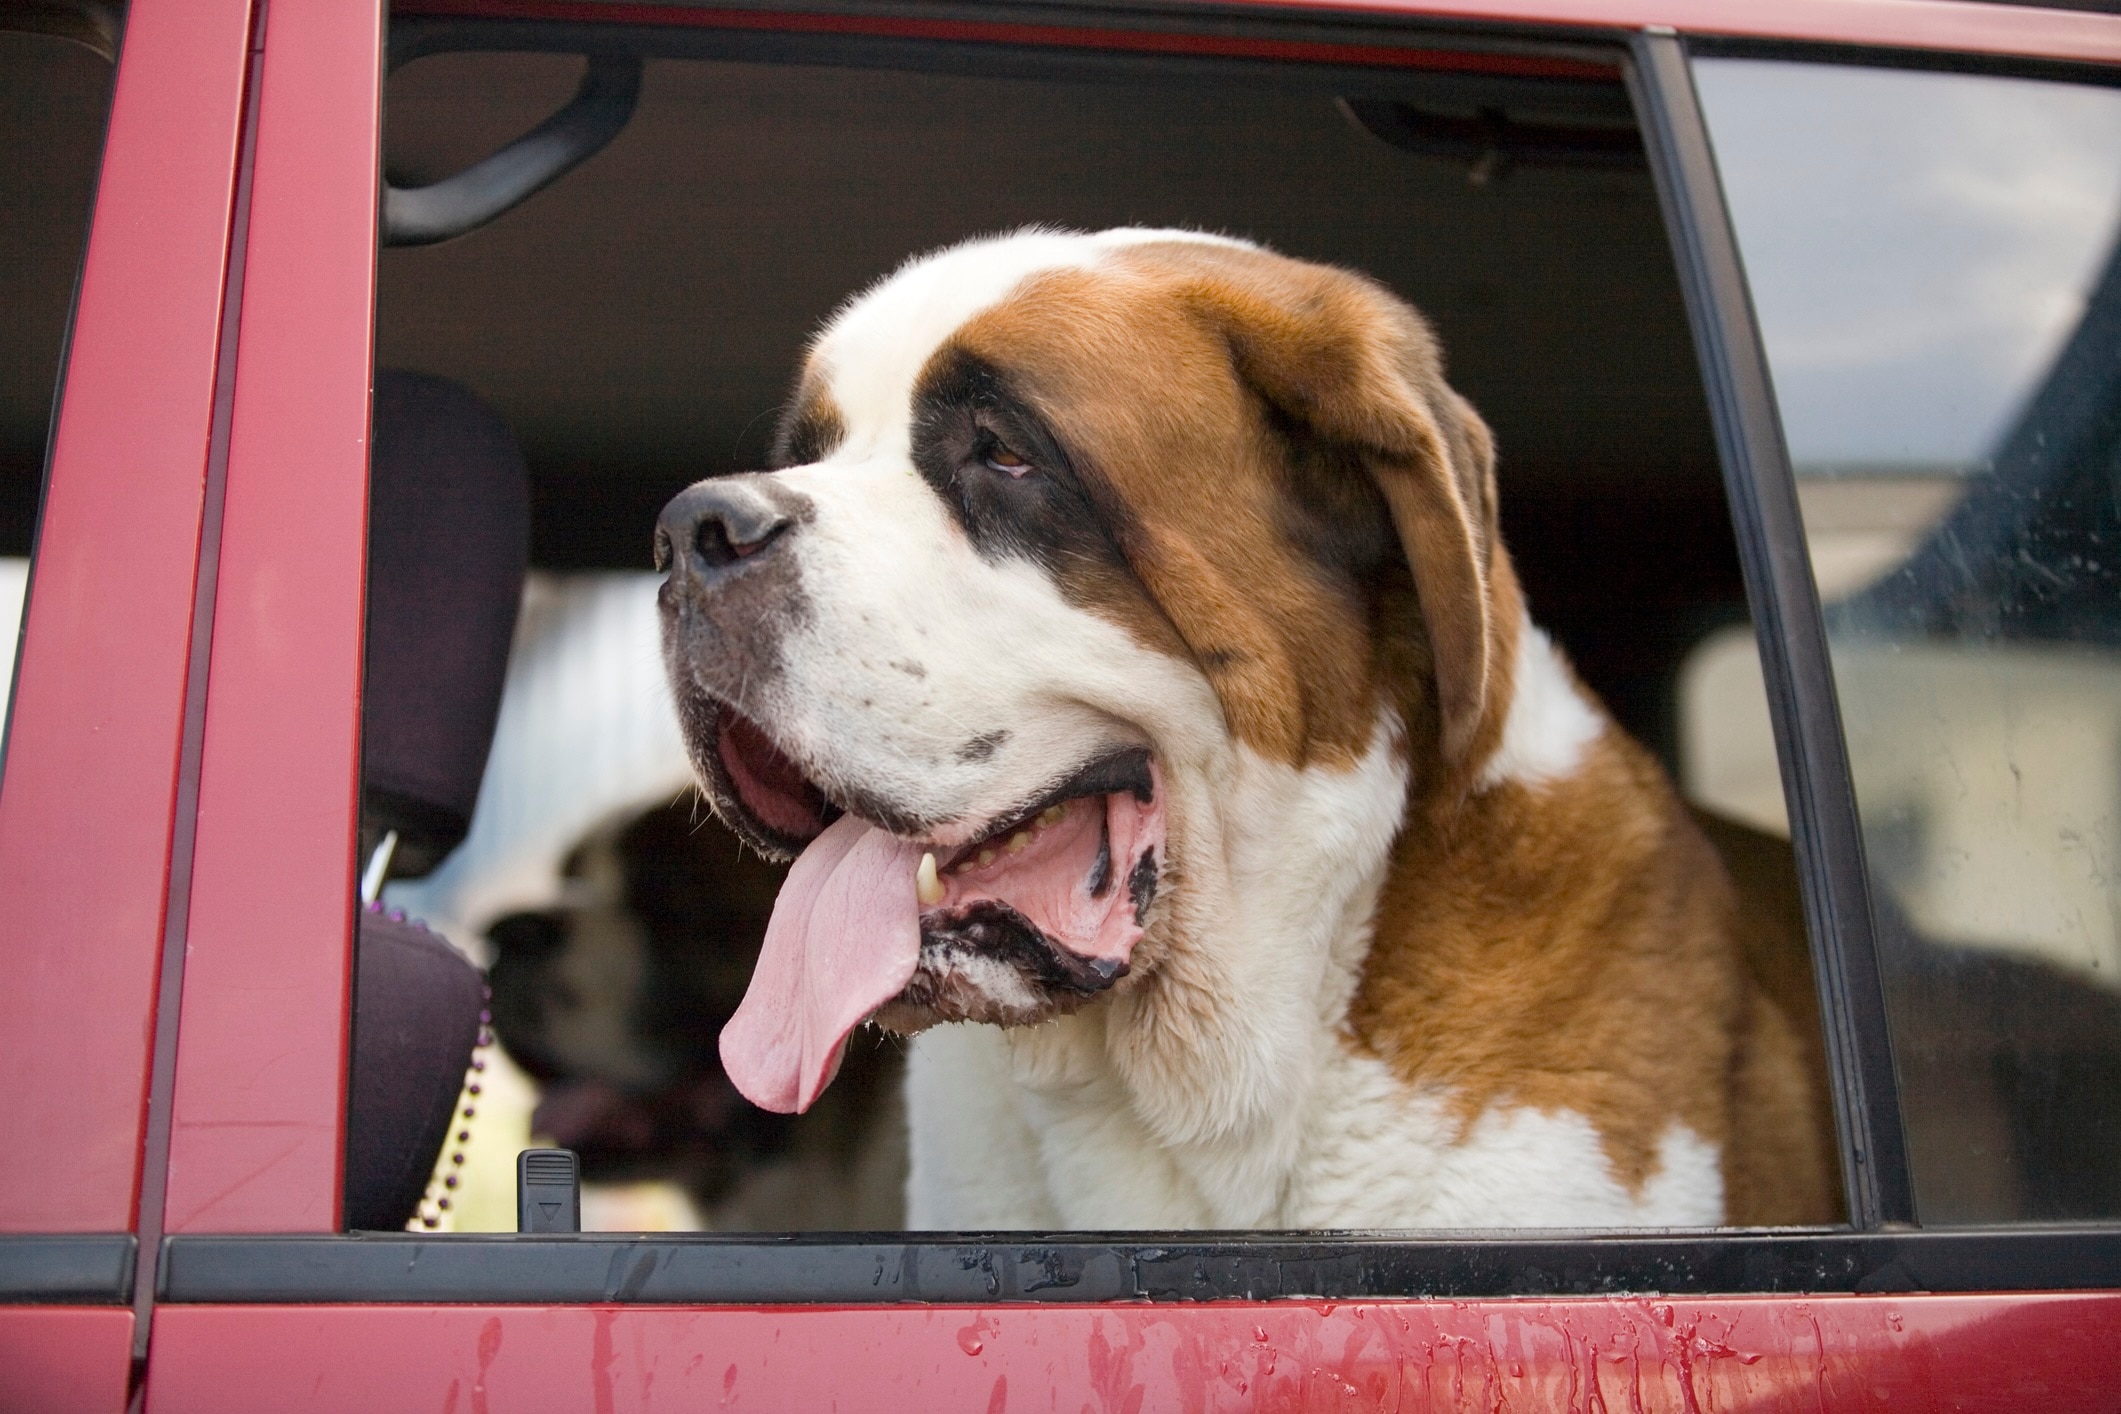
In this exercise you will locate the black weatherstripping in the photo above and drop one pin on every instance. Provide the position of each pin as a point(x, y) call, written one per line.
point(890, 1268)
point(86, 1269)
point(1792, 636)
point(1576, 92)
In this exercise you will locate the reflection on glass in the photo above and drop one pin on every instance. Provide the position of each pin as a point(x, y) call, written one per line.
point(1934, 263)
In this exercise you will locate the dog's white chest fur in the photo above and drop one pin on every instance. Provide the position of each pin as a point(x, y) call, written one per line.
point(1281, 1123)
point(990, 1153)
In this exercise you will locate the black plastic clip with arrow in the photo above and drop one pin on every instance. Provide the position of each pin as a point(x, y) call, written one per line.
point(548, 1191)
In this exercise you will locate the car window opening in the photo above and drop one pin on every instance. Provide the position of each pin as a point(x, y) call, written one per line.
point(633, 328)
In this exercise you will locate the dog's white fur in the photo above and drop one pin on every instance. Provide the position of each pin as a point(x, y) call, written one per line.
point(1550, 722)
point(1256, 1111)
point(1047, 1127)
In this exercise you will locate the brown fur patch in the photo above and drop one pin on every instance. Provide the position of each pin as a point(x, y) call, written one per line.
point(1308, 507)
point(1576, 946)
point(1780, 1167)
point(813, 426)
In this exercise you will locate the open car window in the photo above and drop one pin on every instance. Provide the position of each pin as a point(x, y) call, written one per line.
point(636, 326)
point(1934, 261)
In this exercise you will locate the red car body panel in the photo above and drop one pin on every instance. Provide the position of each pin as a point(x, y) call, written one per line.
point(2052, 1353)
point(90, 791)
point(86, 840)
point(1984, 28)
point(1975, 28)
point(974, 32)
point(64, 1359)
point(261, 1061)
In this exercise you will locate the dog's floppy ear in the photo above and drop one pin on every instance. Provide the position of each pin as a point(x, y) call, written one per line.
point(1344, 358)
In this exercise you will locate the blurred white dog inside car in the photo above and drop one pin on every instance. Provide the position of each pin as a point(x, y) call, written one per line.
point(1125, 653)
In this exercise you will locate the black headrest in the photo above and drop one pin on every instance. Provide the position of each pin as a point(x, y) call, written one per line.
point(448, 542)
point(418, 1011)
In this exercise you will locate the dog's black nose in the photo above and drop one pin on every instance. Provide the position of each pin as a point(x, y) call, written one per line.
point(712, 525)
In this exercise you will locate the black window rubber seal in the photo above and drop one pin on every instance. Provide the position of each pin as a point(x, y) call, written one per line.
point(1802, 702)
point(896, 1268)
point(68, 1269)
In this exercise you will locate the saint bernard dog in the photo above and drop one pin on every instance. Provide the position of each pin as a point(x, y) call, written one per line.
point(1124, 652)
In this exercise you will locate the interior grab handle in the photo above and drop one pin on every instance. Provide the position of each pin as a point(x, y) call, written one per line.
point(596, 114)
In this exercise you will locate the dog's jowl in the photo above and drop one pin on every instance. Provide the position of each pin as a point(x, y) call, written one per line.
point(1125, 654)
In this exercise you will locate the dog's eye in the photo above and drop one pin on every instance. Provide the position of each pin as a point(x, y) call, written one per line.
point(1000, 458)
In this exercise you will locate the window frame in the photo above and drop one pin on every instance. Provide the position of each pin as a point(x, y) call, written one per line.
point(91, 805)
point(96, 811)
point(1765, 521)
point(1802, 704)
point(300, 298)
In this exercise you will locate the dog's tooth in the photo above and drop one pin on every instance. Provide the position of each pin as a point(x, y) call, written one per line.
point(926, 886)
point(1018, 840)
point(986, 856)
point(1051, 813)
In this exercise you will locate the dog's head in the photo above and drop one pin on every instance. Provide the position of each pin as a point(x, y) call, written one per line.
point(647, 951)
point(1110, 593)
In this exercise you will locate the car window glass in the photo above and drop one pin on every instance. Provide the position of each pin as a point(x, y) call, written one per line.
point(54, 95)
point(1933, 260)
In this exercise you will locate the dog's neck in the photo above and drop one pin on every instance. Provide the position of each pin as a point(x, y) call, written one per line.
point(1213, 1057)
point(1217, 1062)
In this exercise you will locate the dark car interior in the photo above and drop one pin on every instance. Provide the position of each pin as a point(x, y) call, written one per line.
point(638, 322)
point(54, 94)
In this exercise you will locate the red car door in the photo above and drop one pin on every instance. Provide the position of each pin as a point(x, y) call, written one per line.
point(177, 856)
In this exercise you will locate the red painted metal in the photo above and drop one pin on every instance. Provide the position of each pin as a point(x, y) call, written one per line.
point(86, 807)
point(989, 32)
point(255, 1140)
point(2053, 1353)
point(1950, 25)
point(65, 1359)
point(1963, 26)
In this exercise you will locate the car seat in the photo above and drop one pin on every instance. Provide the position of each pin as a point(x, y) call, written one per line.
point(449, 533)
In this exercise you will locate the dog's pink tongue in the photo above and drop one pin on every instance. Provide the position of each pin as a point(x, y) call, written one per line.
point(844, 939)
